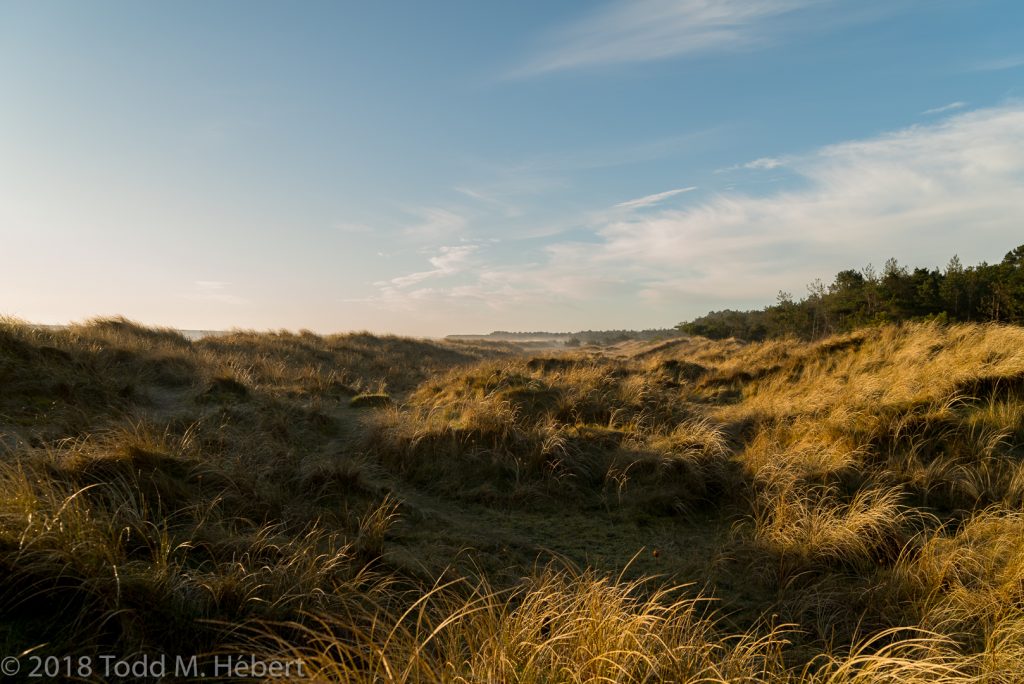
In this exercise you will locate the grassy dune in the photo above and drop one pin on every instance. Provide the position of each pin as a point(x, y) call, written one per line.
point(849, 510)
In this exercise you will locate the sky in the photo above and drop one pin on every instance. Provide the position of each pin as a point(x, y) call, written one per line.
point(426, 168)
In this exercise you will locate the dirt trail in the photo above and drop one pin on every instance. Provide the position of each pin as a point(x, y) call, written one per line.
point(434, 532)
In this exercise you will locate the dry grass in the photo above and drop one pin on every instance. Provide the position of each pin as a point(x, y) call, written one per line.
point(556, 626)
point(841, 511)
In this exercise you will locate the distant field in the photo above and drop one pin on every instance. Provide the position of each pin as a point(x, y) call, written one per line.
point(387, 509)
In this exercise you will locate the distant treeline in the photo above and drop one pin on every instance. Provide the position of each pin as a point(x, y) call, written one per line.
point(578, 337)
point(986, 292)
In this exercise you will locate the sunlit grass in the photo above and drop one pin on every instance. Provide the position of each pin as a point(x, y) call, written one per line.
point(847, 510)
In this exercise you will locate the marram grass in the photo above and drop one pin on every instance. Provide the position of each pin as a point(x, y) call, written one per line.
point(847, 510)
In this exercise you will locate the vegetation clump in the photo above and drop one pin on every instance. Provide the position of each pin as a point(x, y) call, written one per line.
point(370, 400)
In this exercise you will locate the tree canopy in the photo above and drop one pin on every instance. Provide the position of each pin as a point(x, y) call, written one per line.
point(985, 292)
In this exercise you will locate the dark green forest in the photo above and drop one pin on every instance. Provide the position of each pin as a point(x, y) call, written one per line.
point(985, 292)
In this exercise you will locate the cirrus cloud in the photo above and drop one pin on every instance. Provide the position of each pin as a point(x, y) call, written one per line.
point(921, 194)
point(647, 30)
point(656, 198)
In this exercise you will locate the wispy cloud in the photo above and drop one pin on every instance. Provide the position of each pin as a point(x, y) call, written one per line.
point(645, 30)
point(473, 193)
point(448, 261)
point(998, 63)
point(760, 164)
point(945, 108)
point(451, 259)
point(913, 193)
point(651, 200)
point(436, 224)
point(210, 285)
point(763, 163)
point(491, 198)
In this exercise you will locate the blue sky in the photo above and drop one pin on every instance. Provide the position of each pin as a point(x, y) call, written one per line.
point(431, 168)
